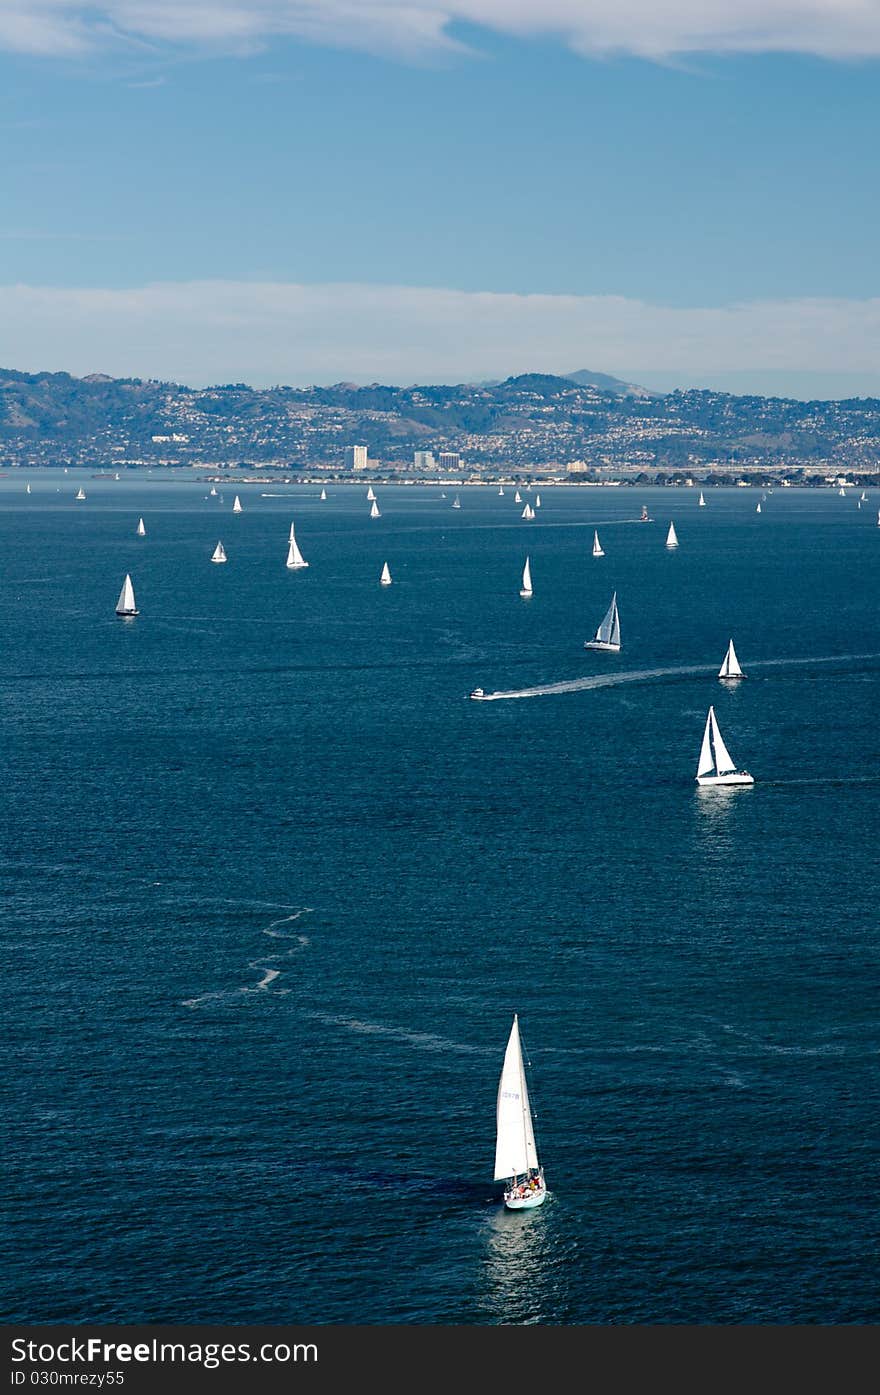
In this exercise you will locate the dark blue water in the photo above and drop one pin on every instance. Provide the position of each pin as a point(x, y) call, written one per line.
point(273, 889)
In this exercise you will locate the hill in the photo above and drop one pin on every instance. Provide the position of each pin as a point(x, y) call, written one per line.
point(528, 421)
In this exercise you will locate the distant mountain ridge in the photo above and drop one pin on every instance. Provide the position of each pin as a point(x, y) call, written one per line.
point(592, 420)
point(609, 384)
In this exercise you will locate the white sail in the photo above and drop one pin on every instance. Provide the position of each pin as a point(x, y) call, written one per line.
point(537, 501)
point(456, 503)
point(608, 633)
point(295, 559)
point(213, 492)
point(672, 536)
point(597, 546)
point(758, 509)
point(702, 500)
point(219, 553)
point(517, 498)
point(236, 505)
point(27, 489)
point(126, 603)
point(730, 665)
point(515, 1151)
point(370, 495)
point(385, 578)
point(878, 518)
point(706, 763)
point(80, 493)
point(323, 494)
point(141, 530)
point(292, 534)
point(374, 510)
point(501, 491)
point(526, 589)
point(863, 498)
point(723, 761)
point(842, 492)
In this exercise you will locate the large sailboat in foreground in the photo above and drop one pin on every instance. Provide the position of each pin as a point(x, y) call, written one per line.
point(526, 588)
point(219, 553)
point(672, 536)
point(716, 766)
point(597, 546)
point(607, 636)
point(385, 576)
point(516, 1156)
point(126, 605)
point(730, 664)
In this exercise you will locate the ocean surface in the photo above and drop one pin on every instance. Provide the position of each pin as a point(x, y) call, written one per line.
point(273, 888)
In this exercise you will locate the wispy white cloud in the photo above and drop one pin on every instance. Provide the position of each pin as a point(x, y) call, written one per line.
point(655, 29)
point(269, 332)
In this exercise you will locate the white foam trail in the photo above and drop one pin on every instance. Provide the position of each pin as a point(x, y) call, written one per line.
point(641, 675)
point(262, 965)
point(422, 1041)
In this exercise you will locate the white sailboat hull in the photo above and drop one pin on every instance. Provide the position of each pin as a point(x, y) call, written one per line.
point(525, 595)
point(603, 644)
point(734, 777)
point(731, 677)
point(525, 1203)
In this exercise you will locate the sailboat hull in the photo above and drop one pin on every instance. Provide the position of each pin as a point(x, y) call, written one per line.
point(735, 777)
point(731, 677)
point(525, 1203)
point(605, 645)
point(525, 594)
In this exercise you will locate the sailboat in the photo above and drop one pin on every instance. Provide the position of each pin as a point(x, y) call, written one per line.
point(374, 509)
point(608, 634)
point(701, 502)
point(758, 509)
point(370, 495)
point(537, 501)
point(141, 530)
point(456, 503)
point(517, 498)
point(730, 665)
point(643, 517)
point(295, 559)
point(597, 546)
point(323, 494)
point(526, 588)
point(27, 489)
point(528, 511)
point(672, 536)
point(516, 1155)
point(842, 492)
point(116, 476)
point(878, 518)
point(126, 606)
point(219, 553)
point(236, 505)
point(863, 498)
point(501, 491)
point(385, 578)
point(80, 493)
point(212, 491)
point(716, 765)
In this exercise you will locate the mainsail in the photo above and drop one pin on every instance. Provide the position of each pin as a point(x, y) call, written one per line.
point(219, 553)
point(141, 530)
point(515, 1151)
point(236, 505)
point(385, 578)
point(672, 536)
point(526, 589)
point(597, 546)
point(609, 630)
point(295, 559)
point(374, 509)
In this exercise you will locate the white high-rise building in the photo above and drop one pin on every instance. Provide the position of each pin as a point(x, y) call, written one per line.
point(424, 460)
point(356, 458)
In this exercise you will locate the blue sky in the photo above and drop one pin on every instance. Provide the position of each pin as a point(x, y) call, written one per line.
point(269, 208)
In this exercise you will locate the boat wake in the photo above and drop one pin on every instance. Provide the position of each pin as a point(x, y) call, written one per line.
point(422, 1041)
point(265, 964)
point(646, 675)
